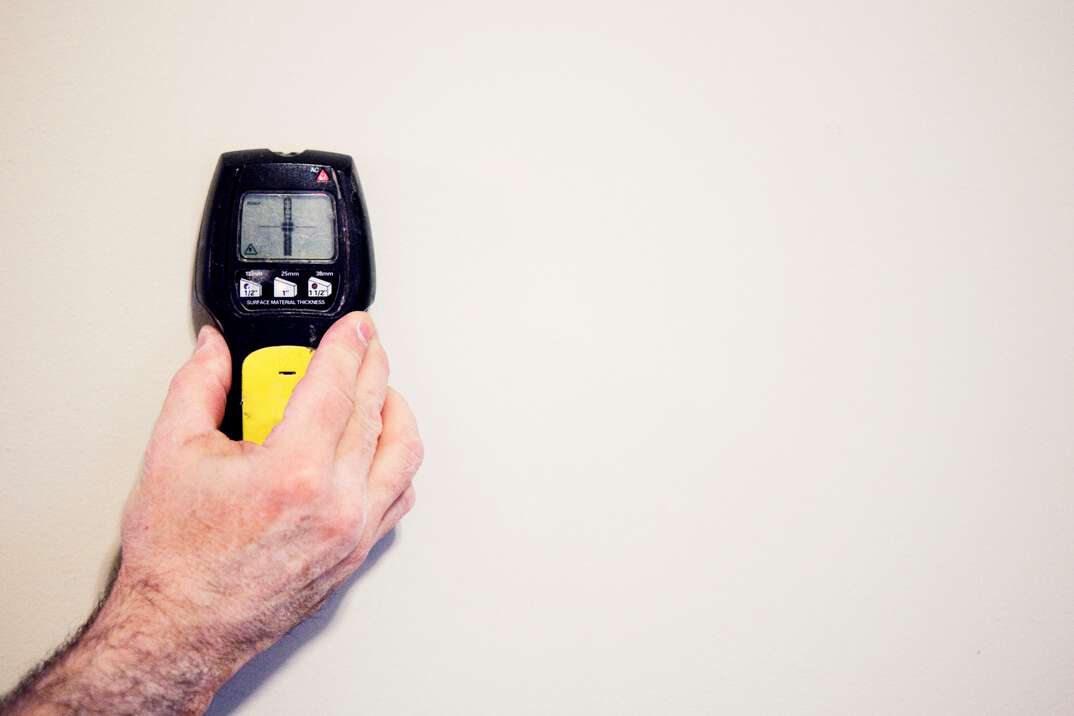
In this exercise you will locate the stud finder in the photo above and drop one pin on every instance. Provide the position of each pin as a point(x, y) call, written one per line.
point(284, 251)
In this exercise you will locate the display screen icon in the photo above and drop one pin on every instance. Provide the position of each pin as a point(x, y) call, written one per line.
point(249, 289)
point(282, 288)
point(319, 288)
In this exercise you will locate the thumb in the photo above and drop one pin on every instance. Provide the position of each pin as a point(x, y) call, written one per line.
point(198, 392)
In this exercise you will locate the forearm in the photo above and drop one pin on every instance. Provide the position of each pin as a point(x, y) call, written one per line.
point(130, 659)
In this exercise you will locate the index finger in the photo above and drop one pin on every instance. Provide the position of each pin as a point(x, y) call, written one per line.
point(323, 400)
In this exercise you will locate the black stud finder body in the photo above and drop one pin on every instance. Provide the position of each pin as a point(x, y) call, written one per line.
point(284, 250)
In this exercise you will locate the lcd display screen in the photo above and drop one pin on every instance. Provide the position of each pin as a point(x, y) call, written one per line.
point(287, 227)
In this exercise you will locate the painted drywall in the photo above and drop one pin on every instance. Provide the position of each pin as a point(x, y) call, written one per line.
point(740, 335)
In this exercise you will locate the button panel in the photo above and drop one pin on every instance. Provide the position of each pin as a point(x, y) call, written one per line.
point(283, 288)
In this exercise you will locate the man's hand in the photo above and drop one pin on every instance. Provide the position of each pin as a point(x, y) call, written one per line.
point(227, 545)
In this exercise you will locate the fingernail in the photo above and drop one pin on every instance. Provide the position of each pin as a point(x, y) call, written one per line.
point(203, 335)
point(365, 332)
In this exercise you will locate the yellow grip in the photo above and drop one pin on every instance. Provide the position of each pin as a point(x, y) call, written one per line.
point(269, 375)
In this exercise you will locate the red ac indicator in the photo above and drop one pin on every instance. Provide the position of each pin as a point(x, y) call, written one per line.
point(322, 178)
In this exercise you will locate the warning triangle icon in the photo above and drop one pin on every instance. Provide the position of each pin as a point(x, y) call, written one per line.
point(322, 178)
point(250, 250)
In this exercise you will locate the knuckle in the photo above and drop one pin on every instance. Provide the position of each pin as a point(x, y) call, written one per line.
point(309, 472)
point(345, 526)
point(220, 376)
point(379, 353)
point(410, 497)
point(336, 401)
point(350, 358)
point(181, 380)
point(301, 483)
point(358, 556)
point(345, 355)
point(368, 411)
point(412, 453)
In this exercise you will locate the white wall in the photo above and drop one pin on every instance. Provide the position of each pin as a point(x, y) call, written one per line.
point(740, 335)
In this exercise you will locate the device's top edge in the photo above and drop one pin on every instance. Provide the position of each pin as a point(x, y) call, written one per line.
point(244, 157)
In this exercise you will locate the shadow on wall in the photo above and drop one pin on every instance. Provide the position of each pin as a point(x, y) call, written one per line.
point(261, 668)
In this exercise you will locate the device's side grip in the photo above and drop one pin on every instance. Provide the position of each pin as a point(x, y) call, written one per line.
point(268, 377)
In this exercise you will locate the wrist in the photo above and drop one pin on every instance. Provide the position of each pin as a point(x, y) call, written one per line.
point(141, 639)
point(138, 655)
